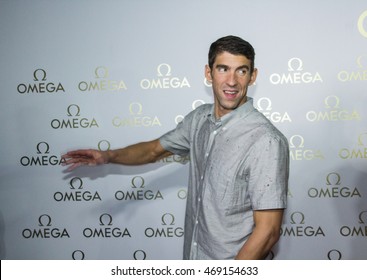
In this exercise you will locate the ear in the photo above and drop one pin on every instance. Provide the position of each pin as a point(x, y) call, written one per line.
point(208, 73)
point(253, 76)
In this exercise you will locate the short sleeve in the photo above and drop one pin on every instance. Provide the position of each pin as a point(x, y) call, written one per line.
point(177, 140)
point(269, 172)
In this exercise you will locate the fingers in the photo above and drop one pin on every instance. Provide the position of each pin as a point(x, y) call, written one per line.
point(78, 158)
point(78, 154)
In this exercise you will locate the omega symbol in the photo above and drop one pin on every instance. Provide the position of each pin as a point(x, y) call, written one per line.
point(359, 61)
point(168, 70)
point(334, 175)
point(170, 217)
point(268, 101)
point(178, 119)
point(334, 255)
point(360, 141)
point(298, 63)
point(182, 194)
point(44, 220)
point(301, 143)
point(36, 76)
point(337, 101)
point(361, 21)
point(137, 182)
point(105, 218)
point(361, 219)
point(140, 255)
point(195, 103)
point(78, 255)
point(301, 218)
point(104, 145)
point(46, 148)
point(101, 72)
point(76, 180)
point(136, 105)
point(69, 110)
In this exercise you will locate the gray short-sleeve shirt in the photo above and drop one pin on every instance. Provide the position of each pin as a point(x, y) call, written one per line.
point(238, 164)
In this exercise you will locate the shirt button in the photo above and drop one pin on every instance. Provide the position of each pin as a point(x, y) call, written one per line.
point(196, 222)
point(215, 132)
point(207, 154)
point(199, 199)
point(195, 244)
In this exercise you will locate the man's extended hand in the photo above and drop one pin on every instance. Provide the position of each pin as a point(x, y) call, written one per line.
point(84, 157)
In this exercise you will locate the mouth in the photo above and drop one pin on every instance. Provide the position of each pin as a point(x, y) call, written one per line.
point(230, 93)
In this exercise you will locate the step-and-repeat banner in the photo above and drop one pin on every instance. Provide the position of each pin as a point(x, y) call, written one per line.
point(106, 74)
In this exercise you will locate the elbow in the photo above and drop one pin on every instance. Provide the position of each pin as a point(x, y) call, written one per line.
point(273, 239)
point(274, 236)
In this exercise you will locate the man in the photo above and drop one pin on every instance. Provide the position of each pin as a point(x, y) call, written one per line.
point(239, 163)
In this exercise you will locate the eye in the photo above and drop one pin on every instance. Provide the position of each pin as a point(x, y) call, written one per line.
point(222, 69)
point(242, 72)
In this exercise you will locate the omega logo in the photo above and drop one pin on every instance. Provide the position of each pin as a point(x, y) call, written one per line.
point(360, 230)
point(197, 103)
point(298, 227)
point(136, 120)
point(106, 229)
point(104, 145)
point(295, 74)
point(77, 194)
point(275, 117)
point(361, 24)
point(356, 153)
point(167, 231)
point(334, 255)
point(73, 122)
point(334, 113)
point(102, 84)
point(164, 80)
point(138, 192)
point(175, 159)
point(43, 157)
point(182, 194)
point(334, 189)
point(40, 77)
point(298, 152)
point(139, 255)
point(78, 255)
point(350, 76)
point(178, 119)
point(45, 231)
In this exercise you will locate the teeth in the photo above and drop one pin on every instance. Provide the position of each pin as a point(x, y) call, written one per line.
point(230, 92)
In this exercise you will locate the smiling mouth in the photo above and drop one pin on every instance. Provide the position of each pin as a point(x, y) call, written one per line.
point(230, 93)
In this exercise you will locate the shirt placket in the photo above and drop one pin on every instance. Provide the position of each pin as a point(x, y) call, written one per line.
point(214, 131)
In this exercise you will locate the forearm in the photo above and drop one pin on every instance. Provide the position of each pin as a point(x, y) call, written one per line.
point(257, 246)
point(264, 236)
point(140, 153)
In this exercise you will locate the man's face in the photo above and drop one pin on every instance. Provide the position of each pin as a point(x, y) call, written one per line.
point(230, 78)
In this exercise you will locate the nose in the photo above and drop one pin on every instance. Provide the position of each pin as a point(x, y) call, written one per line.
point(231, 79)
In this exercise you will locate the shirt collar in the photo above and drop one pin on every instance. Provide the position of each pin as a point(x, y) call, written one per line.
point(238, 113)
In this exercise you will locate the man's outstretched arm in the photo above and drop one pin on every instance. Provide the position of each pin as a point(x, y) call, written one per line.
point(137, 154)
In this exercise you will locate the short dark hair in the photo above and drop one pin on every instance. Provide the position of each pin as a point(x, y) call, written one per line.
point(234, 45)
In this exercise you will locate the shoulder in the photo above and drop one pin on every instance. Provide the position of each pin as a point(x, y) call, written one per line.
point(199, 112)
point(266, 130)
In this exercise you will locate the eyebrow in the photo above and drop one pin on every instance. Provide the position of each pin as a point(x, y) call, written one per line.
point(239, 67)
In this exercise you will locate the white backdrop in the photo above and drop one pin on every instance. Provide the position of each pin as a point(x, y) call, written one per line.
point(106, 74)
